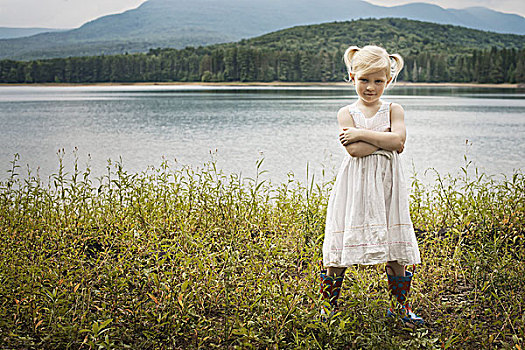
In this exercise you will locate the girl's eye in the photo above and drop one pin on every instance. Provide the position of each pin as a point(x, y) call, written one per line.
point(379, 81)
point(365, 80)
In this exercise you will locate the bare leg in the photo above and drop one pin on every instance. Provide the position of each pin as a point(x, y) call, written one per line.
point(399, 270)
point(336, 271)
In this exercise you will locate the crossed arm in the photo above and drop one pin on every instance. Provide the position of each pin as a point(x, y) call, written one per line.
point(361, 143)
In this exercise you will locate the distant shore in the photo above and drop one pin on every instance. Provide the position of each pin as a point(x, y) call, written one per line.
point(276, 83)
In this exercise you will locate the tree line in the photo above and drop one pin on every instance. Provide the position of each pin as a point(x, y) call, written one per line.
point(254, 64)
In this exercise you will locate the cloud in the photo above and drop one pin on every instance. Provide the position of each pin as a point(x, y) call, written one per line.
point(58, 13)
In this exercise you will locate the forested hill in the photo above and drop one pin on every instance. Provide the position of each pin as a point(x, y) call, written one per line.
point(400, 35)
point(432, 52)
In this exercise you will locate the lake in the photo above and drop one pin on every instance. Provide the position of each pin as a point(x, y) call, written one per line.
point(292, 128)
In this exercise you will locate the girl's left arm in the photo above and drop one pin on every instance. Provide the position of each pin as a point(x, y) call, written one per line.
point(391, 141)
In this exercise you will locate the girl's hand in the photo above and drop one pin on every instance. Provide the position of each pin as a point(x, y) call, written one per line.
point(348, 136)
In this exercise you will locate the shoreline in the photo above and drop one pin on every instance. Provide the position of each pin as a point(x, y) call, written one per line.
point(274, 83)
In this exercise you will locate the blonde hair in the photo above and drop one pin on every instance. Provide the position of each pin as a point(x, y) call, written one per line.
point(371, 59)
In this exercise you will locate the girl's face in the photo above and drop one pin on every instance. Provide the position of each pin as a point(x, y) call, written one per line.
point(370, 86)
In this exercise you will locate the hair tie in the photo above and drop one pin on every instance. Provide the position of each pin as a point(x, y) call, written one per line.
point(392, 58)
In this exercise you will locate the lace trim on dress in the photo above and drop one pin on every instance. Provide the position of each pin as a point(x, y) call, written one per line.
point(379, 122)
point(403, 243)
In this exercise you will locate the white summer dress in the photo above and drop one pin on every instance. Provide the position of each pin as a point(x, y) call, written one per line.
point(368, 219)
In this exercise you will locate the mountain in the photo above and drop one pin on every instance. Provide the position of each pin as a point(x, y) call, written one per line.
point(432, 52)
point(476, 17)
point(181, 23)
point(11, 33)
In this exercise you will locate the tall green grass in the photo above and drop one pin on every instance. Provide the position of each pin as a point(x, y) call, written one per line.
point(181, 257)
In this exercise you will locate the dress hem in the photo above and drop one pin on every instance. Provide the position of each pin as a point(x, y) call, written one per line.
point(372, 263)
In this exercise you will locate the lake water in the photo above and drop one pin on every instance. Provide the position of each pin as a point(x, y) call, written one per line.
point(291, 127)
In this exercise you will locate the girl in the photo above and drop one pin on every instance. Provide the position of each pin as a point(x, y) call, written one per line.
point(368, 219)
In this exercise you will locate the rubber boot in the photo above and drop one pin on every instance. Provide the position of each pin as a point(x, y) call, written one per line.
point(330, 289)
point(399, 287)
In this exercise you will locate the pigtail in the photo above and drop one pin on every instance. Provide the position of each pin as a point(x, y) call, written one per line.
point(348, 56)
point(396, 66)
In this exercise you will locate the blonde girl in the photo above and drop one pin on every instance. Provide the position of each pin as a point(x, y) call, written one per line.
point(368, 220)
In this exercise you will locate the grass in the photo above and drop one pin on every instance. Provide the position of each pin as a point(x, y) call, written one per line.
point(181, 257)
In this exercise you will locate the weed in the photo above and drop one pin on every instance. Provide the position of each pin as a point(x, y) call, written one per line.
point(194, 258)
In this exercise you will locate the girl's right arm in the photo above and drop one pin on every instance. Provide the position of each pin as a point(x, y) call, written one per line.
point(356, 149)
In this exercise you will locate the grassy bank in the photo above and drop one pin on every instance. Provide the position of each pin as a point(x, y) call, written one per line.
point(178, 257)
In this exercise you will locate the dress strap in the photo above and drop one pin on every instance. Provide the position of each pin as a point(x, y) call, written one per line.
point(356, 116)
point(383, 116)
point(385, 105)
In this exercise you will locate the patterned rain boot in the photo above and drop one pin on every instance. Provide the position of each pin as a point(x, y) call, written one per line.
point(399, 287)
point(330, 289)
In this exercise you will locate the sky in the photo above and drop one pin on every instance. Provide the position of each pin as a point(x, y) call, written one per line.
point(59, 13)
point(74, 13)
